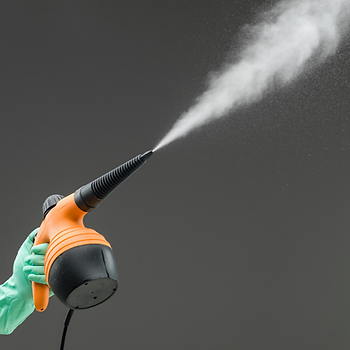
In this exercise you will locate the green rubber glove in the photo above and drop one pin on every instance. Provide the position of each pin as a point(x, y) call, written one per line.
point(16, 297)
point(34, 264)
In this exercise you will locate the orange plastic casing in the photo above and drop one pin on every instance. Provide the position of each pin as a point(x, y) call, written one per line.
point(63, 229)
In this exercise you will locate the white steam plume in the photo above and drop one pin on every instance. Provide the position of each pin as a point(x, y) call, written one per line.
point(293, 36)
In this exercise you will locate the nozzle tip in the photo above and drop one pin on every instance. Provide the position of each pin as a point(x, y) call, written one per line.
point(146, 155)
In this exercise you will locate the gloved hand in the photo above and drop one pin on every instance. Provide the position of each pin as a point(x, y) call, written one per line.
point(34, 263)
point(16, 297)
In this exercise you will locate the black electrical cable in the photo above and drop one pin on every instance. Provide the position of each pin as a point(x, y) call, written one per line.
point(65, 327)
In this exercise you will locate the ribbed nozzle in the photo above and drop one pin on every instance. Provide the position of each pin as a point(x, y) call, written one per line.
point(88, 196)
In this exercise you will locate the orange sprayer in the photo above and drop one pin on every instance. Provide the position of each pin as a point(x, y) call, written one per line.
point(79, 263)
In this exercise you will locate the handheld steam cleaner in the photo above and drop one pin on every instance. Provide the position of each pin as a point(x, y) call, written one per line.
point(79, 263)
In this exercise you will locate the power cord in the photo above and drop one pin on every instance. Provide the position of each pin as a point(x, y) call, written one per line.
point(65, 327)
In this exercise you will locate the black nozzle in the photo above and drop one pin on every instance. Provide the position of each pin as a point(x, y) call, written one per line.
point(146, 155)
point(89, 196)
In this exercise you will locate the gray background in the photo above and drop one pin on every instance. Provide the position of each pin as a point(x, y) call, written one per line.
point(236, 237)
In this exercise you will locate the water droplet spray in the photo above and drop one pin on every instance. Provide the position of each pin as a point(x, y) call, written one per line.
point(292, 37)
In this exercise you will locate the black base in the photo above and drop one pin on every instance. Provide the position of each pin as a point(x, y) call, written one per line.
point(84, 276)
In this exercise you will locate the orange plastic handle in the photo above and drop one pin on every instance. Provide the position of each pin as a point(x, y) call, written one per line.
point(63, 229)
point(40, 291)
point(40, 296)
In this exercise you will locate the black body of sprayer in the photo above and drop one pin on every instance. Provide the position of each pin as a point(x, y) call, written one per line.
point(86, 275)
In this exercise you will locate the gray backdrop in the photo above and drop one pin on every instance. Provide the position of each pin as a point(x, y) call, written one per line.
point(236, 237)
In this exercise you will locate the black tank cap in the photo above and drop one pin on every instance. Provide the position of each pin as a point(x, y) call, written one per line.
point(50, 202)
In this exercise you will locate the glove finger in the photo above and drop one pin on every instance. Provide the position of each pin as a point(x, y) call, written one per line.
point(40, 249)
point(37, 278)
point(35, 270)
point(37, 260)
